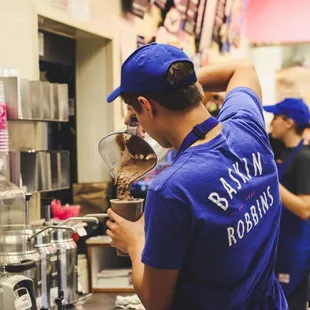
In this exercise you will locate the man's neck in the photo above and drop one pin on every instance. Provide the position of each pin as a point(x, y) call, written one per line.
point(292, 139)
point(183, 124)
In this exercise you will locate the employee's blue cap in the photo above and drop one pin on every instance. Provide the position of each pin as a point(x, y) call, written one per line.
point(145, 70)
point(294, 108)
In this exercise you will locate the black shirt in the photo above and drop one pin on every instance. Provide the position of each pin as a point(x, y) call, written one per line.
point(297, 175)
point(277, 146)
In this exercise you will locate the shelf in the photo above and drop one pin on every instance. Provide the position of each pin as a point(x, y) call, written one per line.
point(38, 120)
point(113, 290)
point(51, 190)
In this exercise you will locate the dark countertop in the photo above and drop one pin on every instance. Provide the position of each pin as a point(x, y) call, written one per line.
point(100, 302)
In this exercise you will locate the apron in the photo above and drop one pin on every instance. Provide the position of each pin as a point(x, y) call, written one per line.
point(293, 248)
point(199, 131)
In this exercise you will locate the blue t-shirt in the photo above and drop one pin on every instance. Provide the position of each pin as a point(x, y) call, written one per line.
point(214, 214)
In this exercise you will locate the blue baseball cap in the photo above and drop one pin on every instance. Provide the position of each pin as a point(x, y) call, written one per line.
point(145, 70)
point(294, 108)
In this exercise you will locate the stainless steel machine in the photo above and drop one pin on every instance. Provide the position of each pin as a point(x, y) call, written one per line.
point(38, 265)
point(49, 297)
point(17, 258)
point(67, 261)
point(15, 248)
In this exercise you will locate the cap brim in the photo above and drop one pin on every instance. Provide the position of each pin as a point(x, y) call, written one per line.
point(272, 109)
point(115, 93)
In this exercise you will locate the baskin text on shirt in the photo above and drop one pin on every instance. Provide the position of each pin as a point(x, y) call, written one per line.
point(240, 173)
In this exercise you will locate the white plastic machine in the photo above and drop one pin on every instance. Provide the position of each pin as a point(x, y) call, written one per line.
point(17, 293)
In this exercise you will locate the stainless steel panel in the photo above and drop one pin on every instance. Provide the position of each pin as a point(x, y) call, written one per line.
point(45, 99)
point(63, 102)
point(67, 256)
point(56, 101)
point(26, 111)
point(17, 97)
point(55, 169)
point(53, 100)
point(65, 168)
point(29, 171)
point(15, 173)
point(35, 97)
point(49, 274)
point(44, 170)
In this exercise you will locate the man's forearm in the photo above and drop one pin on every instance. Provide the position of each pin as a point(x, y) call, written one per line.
point(135, 254)
point(215, 78)
point(294, 203)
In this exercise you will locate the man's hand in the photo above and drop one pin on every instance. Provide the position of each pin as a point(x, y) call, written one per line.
point(125, 234)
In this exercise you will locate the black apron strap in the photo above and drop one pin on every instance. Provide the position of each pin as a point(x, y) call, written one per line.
point(199, 131)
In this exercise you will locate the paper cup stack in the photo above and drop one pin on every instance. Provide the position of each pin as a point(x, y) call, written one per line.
point(4, 134)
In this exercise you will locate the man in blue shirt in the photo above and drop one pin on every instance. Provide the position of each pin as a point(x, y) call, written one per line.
point(212, 217)
point(291, 118)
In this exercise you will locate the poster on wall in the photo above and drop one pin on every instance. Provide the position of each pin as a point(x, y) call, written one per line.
point(208, 23)
point(173, 20)
point(136, 7)
point(61, 4)
point(219, 22)
point(231, 29)
point(182, 6)
point(160, 3)
point(139, 7)
point(140, 41)
point(192, 9)
point(189, 22)
point(199, 20)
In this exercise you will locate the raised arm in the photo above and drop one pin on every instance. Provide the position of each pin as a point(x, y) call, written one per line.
point(227, 76)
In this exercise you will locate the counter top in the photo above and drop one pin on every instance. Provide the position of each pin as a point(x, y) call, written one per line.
point(100, 302)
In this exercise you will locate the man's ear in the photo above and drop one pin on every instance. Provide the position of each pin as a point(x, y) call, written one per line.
point(147, 106)
point(290, 123)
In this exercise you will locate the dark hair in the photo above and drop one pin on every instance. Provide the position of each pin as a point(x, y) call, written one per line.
point(299, 130)
point(176, 99)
